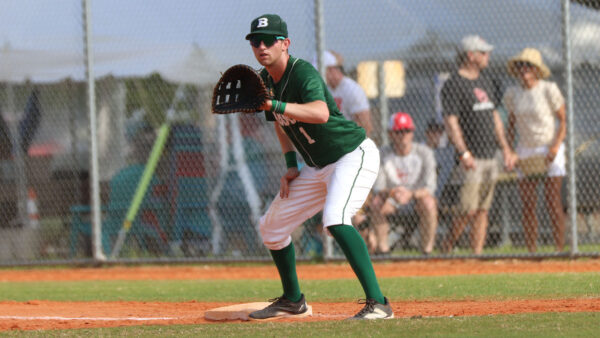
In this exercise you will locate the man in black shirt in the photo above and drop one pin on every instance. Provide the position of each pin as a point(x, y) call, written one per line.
point(476, 130)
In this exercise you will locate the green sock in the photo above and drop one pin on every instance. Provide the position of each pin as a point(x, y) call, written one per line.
point(285, 260)
point(356, 252)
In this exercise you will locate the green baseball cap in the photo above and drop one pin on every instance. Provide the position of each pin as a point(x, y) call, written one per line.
point(270, 24)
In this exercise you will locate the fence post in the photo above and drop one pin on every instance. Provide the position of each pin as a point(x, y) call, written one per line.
point(572, 200)
point(320, 49)
point(91, 101)
point(319, 36)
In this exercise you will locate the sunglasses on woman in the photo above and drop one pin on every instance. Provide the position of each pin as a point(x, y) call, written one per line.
point(268, 40)
point(522, 64)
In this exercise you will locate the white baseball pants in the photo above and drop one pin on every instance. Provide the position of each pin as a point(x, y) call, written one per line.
point(339, 189)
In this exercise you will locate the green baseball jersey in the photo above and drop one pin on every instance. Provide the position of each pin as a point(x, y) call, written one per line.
point(319, 144)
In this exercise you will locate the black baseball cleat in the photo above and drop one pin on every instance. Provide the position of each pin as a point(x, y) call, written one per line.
point(374, 310)
point(281, 307)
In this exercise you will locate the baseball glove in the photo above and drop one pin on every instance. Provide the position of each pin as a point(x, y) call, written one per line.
point(240, 89)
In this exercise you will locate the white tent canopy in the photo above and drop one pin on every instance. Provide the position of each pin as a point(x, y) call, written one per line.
point(198, 67)
point(190, 65)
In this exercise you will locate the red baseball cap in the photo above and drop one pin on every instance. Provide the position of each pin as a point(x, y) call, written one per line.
point(401, 121)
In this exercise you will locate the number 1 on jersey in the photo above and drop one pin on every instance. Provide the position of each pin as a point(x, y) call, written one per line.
point(310, 140)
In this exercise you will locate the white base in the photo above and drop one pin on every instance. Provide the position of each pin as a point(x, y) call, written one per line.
point(242, 312)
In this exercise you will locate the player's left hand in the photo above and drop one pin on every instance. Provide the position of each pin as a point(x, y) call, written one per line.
point(288, 177)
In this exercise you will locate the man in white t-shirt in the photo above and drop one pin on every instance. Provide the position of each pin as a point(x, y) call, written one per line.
point(348, 94)
point(405, 187)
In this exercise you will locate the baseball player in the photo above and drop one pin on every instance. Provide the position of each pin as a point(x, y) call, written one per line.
point(341, 166)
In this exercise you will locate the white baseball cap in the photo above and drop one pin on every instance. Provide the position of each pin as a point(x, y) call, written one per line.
point(329, 60)
point(475, 43)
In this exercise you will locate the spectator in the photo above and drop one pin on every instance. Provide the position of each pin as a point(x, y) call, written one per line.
point(537, 111)
point(347, 93)
point(406, 183)
point(475, 129)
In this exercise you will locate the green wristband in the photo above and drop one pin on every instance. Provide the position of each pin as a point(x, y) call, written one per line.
point(277, 107)
point(281, 108)
point(290, 159)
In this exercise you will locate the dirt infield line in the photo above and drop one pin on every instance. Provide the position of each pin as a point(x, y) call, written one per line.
point(102, 319)
point(36, 315)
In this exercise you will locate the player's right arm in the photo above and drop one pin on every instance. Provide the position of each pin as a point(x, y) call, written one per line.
point(291, 173)
point(310, 103)
point(315, 112)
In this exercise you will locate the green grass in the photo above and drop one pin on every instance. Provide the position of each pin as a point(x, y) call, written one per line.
point(520, 325)
point(502, 286)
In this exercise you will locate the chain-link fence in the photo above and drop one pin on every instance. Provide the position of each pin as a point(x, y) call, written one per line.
point(175, 182)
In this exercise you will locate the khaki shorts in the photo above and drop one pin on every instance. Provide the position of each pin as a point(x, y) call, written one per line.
point(477, 190)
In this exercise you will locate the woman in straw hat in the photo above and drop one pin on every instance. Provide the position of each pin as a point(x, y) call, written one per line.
point(537, 113)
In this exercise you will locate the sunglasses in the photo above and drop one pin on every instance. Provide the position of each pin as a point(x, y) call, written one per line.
point(522, 64)
point(268, 40)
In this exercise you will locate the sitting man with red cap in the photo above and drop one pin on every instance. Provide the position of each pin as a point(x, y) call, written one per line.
point(404, 188)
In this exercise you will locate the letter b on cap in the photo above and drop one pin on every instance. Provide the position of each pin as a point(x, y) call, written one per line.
point(262, 22)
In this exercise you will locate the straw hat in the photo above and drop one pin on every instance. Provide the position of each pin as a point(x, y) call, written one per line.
point(530, 55)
